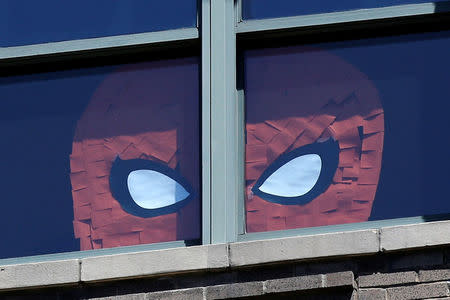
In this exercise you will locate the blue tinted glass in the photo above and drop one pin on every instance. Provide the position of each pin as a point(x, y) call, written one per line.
point(372, 112)
point(99, 157)
point(261, 9)
point(25, 22)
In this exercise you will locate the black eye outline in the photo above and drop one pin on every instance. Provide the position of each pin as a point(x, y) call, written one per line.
point(118, 181)
point(329, 154)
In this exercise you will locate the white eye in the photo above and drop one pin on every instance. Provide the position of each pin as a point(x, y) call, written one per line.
point(295, 178)
point(151, 189)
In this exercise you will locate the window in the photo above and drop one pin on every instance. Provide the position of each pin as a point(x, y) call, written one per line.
point(324, 86)
point(217, 121)
point(344, 132)
point(101, 136)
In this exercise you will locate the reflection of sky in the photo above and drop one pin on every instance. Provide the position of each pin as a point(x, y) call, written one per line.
point(24, 22)
point(260, 9)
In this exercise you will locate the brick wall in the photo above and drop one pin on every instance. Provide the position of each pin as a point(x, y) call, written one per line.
point(418, 274)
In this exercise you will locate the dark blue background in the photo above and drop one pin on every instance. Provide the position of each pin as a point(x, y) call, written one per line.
point(24, 22)
point(38, 118)
point(261, 9)
point(38, 115)
point(411, 74)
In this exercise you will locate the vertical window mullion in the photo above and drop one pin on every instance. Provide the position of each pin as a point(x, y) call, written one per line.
point(205, 36)
point(224, 124)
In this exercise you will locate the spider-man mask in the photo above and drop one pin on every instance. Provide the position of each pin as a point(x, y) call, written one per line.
point(314, 140)
point(135, 157)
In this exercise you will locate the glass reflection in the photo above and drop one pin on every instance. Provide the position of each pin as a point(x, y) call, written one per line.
point(382, 100)
point(63, 132)
point(25, 22)
point(262, 9)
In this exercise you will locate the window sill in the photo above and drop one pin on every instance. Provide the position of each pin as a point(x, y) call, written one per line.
point(223, 256)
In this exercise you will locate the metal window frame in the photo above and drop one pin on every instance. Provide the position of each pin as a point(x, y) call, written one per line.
point(224, 123)
point(102, 43)
point(357, 15)
point(205, 25)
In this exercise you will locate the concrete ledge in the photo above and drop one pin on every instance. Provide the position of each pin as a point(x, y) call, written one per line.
point(131, 265)
point(40, 274)
point(304, 247)
point(243, 254)
point(414, 236)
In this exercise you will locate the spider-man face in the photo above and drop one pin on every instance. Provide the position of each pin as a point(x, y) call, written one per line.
point(135, 157)
point(314, 140)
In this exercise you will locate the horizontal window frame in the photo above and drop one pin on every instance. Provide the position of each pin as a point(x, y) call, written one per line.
point(94, 253)
point(349, 227)
point(357, 15)
point(114, 43)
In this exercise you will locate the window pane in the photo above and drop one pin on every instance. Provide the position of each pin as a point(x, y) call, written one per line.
point(100, 157)
point(347, 132)
point(25, 22)
point(261, 9)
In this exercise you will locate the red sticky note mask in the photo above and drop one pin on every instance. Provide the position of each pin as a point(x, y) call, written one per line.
point(137, 143)
point(314, 140)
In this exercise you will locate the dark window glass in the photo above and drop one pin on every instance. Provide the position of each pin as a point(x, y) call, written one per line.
point(100, 157)
point(347, 132)
point(25, 22)
point(261, 9)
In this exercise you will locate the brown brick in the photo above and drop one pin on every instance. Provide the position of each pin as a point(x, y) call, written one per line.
point(434, 275)
point(419, 291)
point(294, 284)
point(387, 279)
point(235, 290)
point(339, 279)
point(184, 294)
point(372, 294)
